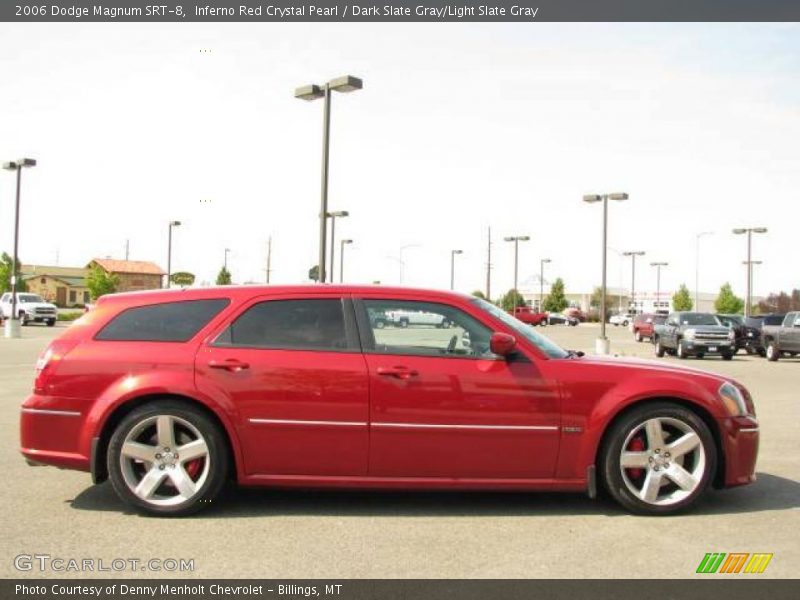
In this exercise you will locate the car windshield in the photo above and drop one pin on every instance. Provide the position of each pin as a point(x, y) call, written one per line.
point(731, 319)
point(698, 319)
point(544, 344)
point(774, 319)
point(23, 298)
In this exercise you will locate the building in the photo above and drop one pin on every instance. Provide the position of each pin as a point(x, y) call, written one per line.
point(133, 274)
point(63, 286)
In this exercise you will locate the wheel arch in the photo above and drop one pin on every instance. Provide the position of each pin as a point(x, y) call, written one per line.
point(703, 413)
point(100, 443)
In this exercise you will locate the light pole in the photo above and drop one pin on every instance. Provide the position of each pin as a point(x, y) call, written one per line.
point(602, 345)
point(341, 259)
point(400, 258)
point(453, 267)
point(225, 260)
point(749, 264)
point(311, 92)
point(333, 215)
point(12, 325)
point(749, 231)
point(169, 251)
point(633, 256)
point(697, 267)
point(541, 281)
point(658, 266)
point(516, 239)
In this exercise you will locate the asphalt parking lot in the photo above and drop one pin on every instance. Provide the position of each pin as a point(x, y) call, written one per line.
point(294, 534)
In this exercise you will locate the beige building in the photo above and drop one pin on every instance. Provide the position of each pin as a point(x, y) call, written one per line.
point(133, 274)
point(63, 286)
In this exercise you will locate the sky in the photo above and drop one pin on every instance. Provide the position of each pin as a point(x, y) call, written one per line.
point(458, 127)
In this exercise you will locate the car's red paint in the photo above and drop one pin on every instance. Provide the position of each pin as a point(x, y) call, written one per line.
point(329, 419)
point(526, 314)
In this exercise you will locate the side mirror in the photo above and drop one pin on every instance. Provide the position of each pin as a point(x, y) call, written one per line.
point(502, 344)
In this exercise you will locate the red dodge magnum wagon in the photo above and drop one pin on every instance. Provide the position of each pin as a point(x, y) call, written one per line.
point(169, 394)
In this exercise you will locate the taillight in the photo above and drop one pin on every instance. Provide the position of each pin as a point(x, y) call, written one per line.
point(47, 362)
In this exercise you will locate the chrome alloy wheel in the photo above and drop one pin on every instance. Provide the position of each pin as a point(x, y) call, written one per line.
point(164, 460)
point(662, 461)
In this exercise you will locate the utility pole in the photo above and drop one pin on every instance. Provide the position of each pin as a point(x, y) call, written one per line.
point(489, 267)
point(269, 258)
point(127, 249)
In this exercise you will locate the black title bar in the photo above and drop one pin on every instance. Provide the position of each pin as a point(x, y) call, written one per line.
point(399, 10)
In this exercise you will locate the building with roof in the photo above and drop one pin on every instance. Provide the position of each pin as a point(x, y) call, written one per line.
point(133, 275)
point(63, 286)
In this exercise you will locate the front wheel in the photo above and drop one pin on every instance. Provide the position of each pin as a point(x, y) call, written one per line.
point(659, 349)
point(658, 459)
point(773, 353)
point(638, 336)
point(727, 355)
point(679, 351)
point(51, 322)
point(167, 458)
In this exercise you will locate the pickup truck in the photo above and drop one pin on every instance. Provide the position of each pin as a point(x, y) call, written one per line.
point(644, 325)
point(30, 308)
point(694, 334)
point(526, 314)
point(403, 318)
point(784, 338)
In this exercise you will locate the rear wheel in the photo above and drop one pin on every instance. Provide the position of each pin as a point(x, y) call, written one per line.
point(638, 336)
point(167, 458)
point(658, 459)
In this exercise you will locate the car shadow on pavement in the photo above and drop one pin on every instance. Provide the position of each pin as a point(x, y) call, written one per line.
point(770, 492)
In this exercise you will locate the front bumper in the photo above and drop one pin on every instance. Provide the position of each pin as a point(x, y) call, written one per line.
point(706, 346)
point(740, 440)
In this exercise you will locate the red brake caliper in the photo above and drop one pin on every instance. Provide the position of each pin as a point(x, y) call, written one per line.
point(636, 445)
point(193, 467)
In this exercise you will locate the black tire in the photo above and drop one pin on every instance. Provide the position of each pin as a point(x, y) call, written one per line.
point(679, 351)
point(611, 450)
point(773, 353)
point(403, 323)
point(215, 471)
point(23, 319)
point(380, 324)
point(761, 352)
point(700, 355)
point(659, 349)
point(445, 324)
point(727, 356)
point(624, 323)
point(638, 336)
point(51, 322)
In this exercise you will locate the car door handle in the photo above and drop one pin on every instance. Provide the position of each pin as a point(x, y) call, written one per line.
point(231, 364)
point(400, 372)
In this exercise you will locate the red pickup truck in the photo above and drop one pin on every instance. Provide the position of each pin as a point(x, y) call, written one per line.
point(526, 314)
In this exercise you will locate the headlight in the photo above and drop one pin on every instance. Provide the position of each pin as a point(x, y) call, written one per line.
point(733, 399)
point(731, 335)
point(689, 334)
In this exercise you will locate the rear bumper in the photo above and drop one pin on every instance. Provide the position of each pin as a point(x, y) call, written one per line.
point(51, 436)
point(740, 440)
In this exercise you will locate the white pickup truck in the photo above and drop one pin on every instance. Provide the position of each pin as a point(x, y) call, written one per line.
point(30, 308)
point(402, 318)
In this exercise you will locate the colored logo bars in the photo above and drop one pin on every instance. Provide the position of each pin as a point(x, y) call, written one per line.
point(736, 562)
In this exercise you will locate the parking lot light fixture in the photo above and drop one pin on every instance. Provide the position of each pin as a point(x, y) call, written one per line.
point(602, 345)
point(453, 267)
point(344, 84)
point(333, 215)
point(658, 266)
point(12, 329)
point(541, 282)
point(749, 231)
point(341, 259)
point(516, 239)
point(225, 260)
point(169, 250)
point(633, 255)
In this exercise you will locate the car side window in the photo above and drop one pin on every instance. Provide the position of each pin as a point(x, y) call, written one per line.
point(166, 322)
point(423, 329)
point(303, 324)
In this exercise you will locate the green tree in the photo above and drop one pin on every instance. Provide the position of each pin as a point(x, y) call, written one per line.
point(612, 302)
point(224, 276)
point(182, 278)
point(511, 299)
point(556, 301)
point(479, 294)
point(682, 300)
point(101, 283)
point(727, 302)
point(313, 273)
point(5, 274)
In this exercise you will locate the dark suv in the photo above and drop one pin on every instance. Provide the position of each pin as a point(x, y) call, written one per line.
point(748, 333)
point(694, 334)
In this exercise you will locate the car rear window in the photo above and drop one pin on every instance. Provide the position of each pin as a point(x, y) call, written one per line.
point(166, 322)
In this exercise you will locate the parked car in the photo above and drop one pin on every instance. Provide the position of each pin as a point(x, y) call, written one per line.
point(528, 315)
point(784, 338)
point(755, 326)
point(31, 308)
point(559, 319)
point(171, 393)
point(644, 325)
point(748, 336)
point(694, 334)
point(576, 313)
point(402, 318)
point(623, 319)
